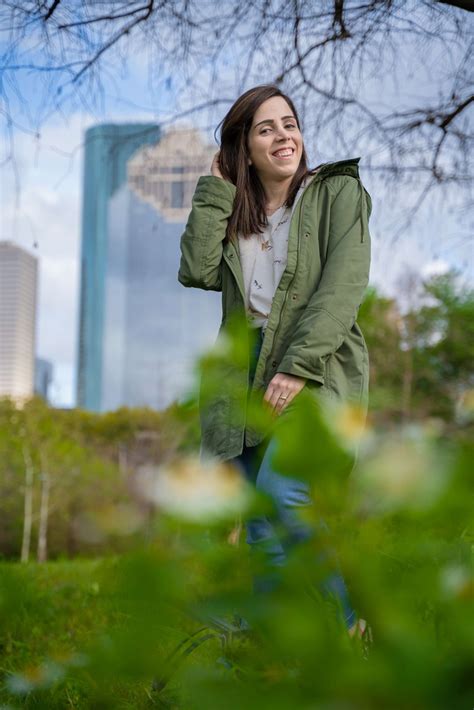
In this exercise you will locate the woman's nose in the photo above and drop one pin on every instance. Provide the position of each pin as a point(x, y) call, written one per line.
point(282, 133)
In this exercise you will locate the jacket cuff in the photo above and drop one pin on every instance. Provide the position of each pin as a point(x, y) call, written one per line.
point(291, 367)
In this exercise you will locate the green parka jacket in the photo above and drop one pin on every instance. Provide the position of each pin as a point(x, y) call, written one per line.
point(312, 330)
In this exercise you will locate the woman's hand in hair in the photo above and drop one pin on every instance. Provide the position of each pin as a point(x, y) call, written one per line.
point(281, 389)
point(215, 167)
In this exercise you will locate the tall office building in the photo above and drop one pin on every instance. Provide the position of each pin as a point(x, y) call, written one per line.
point(108, 148)
point(153, 328)
point(18, 288)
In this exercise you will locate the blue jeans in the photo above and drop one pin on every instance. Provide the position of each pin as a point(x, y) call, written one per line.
point(275, 535)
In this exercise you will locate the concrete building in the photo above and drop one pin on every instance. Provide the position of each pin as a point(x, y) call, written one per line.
point(108, 148)
point(18, 294)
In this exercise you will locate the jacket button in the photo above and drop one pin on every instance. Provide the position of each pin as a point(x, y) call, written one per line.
point(307, 234)
point(274, 363)
point(294, 297)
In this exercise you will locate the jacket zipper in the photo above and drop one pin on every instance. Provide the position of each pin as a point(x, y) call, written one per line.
point(228, 257)
point(300, 209)
point(297, 254)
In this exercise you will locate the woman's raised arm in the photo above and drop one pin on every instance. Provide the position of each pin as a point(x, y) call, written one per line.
point(201, 241)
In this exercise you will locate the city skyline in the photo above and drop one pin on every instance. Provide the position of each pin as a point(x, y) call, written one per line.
point(50, 195)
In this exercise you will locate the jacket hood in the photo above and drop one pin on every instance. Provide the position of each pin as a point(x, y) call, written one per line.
point(347, 167)
point(340, 167)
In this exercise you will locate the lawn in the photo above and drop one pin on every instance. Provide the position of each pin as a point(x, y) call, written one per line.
point(64, 633)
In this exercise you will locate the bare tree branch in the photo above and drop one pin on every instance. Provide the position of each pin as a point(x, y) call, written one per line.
point(386, 79)
point(51, 10)
point(467, 5)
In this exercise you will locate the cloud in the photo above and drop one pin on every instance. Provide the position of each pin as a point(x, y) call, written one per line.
point(435, 268)
point(43, 216)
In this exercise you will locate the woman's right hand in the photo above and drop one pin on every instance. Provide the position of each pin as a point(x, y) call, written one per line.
point(215, 167)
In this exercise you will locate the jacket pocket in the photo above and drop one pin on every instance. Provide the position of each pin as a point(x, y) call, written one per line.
point(347, 370)
point(326, 387)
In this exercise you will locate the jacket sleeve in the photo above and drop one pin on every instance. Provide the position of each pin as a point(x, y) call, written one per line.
point(332, 309)
point(201, 241)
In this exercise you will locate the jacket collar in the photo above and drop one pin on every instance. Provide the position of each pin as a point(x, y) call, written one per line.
point(340, 167)
point(343, 167)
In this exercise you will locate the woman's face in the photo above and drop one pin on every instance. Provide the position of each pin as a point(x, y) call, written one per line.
point(274, 141)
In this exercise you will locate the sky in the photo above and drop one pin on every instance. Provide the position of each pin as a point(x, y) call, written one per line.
point(41, 193)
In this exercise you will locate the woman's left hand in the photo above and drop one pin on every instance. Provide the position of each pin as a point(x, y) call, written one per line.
point(281, 389)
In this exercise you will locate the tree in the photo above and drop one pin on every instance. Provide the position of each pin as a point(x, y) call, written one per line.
point(389, 77)
point(380, 320)
point(61, 470)
point(445, 349)
point(420, 356)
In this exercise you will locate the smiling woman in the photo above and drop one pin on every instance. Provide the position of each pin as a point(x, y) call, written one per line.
point(289, 248)
point(275, 147)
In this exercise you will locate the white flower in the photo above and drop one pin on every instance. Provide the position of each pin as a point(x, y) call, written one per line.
point(403, 470)
point(457, 581)
point(196, 490)
point(348, 421)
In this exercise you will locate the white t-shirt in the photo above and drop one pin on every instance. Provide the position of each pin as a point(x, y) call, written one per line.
point(264, 258)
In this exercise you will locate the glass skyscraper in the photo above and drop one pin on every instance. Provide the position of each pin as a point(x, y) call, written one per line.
point(108, 148)
point(151, 327)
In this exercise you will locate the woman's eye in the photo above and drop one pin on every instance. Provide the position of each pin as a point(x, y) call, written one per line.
point(288, 125)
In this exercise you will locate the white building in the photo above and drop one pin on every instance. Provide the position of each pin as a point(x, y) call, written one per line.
point(18, 288)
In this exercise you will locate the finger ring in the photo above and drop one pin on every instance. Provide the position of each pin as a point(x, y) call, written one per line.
point(281, 397)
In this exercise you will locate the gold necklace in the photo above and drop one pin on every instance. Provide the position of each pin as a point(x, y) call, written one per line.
point(275, 210)
point(266, 245)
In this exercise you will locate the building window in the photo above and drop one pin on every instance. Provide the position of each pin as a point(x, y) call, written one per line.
point(177, 195)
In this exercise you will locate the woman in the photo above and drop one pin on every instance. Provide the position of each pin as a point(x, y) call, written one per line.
point(289, 248)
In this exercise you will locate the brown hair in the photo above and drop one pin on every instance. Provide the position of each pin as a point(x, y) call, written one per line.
point(249, 216)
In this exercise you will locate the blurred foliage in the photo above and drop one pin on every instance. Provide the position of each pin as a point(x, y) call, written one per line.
point(166, 615)
point(92, 461)
point(91, 634)
point(421, 358)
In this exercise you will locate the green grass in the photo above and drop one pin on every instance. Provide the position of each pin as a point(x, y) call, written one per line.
point(58, 619)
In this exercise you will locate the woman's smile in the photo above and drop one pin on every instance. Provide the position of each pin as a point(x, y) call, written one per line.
point(284, 153)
